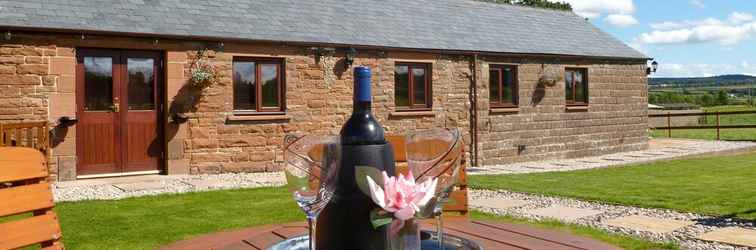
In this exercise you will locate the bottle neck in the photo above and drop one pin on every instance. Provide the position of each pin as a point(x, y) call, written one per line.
point(361, 107)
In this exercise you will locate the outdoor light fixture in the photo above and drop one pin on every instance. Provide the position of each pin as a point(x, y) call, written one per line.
point(8, 36)
point(652, 69)
point(351, 53)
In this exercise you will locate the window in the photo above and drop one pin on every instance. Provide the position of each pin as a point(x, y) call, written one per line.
point(576, 86)
point(258, 85)
point(502, 83)
point(412, 86)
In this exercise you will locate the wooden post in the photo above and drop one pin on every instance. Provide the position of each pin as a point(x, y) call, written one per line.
point(717, 125)
point(669, 124)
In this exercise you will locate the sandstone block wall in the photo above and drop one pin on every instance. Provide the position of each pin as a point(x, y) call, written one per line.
point(37, 76)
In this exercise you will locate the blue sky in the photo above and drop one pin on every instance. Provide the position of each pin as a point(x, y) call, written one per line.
point(686, 37)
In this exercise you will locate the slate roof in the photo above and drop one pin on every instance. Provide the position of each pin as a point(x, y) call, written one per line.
point(461, 25)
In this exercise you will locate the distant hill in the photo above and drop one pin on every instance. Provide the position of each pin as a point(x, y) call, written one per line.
point(701, 81)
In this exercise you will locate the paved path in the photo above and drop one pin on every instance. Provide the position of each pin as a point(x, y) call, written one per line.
point(691, 231)
point(659, 149)
point(124, 187)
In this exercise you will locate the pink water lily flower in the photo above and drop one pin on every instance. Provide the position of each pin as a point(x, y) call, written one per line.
point(401, 195)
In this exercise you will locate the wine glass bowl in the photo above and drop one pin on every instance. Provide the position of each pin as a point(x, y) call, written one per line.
point(311, 166)
point(436, 153)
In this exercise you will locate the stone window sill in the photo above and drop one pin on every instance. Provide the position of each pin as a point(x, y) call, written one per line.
point(577, 108)
point(402, 114)
point(509, 110)
point(243, 118)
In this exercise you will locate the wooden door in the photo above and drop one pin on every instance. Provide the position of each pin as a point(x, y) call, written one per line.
point(119, 111)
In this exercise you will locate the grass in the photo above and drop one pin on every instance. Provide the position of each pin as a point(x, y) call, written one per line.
point(154, 221)
point(712, 185)
point(150, 222)
point(623, 241)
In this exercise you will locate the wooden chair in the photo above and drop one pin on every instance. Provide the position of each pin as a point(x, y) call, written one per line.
point(26, 210)
point(28, 134)
point(457, 205)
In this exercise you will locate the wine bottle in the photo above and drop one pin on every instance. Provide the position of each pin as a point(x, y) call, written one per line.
point(362, 128)
point(345, 222)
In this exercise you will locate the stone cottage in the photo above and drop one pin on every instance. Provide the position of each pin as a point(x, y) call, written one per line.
point(522, 83)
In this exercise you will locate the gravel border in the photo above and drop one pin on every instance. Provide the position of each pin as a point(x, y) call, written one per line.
point(685, 237)
point(667, 149)
point(71, 191)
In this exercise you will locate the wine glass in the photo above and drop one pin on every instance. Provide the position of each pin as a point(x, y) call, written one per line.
point(436, 153)
point(311, 166)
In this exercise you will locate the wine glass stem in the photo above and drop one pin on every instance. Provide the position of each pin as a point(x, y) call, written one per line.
point(440, 230)
point(311, 222)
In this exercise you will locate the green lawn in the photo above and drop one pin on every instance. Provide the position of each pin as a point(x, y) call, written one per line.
point(713, 185)
point(150, 222)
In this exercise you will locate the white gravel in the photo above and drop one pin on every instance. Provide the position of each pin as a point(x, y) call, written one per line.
point(108, 189)
point(659, 149)
point(685, 237)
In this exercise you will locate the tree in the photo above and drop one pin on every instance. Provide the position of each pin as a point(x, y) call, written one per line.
point(546, 4)
point(722, 97)
point(706, 100)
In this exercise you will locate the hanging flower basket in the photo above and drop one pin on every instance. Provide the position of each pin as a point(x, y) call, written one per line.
point(203, 74)
point(550, 76)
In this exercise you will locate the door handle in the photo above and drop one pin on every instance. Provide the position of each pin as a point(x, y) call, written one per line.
point(116, 107)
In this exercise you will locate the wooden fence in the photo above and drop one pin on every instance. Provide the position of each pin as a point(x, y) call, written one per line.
point(717, 125)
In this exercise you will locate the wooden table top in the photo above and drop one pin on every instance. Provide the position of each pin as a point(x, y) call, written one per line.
point(490, 235)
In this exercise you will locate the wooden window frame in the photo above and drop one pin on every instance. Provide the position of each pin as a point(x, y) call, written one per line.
point(574, 93)
point(428, 105)
point(514, 88)
point(259, 109)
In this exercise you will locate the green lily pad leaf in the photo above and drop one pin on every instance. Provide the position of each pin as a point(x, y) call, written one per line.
point(379, 218)
point(360, 173)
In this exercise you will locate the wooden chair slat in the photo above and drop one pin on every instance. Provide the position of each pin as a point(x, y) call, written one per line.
point(8, 135)
point(27, 198)
point(399, 142)
point(20, 154)
point(34, 230)
point(21, 170)
point(462, 176)
point(457, 202)
point(42, 138)
point(17, 136)
point(30, 137)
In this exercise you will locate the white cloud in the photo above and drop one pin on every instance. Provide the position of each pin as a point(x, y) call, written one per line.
point(739, 17)
point(738, 27)
point(621, 20)
point(596, 8)
point(698, 3)
point(671, 25)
